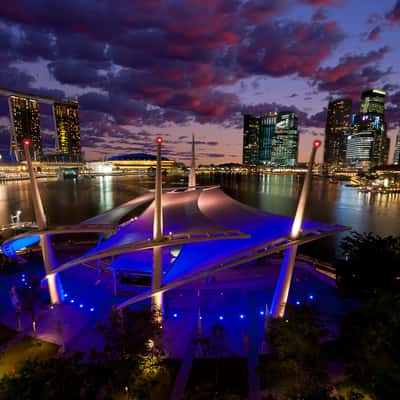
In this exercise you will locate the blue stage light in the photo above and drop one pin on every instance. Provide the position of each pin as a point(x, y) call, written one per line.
point(72, 301)
point(175, 315)
point(221, 317)
point(65, 295)
point(80, 305)
point(311, 297)
point(298, 302)
point(92, 309)
point(262, 312)
point(201, 317)
point(241, 316)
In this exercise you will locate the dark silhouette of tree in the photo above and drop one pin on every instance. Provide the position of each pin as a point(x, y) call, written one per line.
point(371, 264)
point(294, 367)
point(371, 344)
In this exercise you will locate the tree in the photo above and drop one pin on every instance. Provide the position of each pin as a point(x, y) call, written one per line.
point(371, 342)
point(295, 365)
point(371, 264)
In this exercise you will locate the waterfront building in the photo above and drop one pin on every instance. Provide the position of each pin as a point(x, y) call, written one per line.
point(285, 141)
point(251, 138)
point(270, 140)
point(137, 162)
point(359, 149)
point(267, 132)
point(373, 101)
point(337, 129)
point(369, 120)
point(396, 155)
point(25, 124)
point(68, 139)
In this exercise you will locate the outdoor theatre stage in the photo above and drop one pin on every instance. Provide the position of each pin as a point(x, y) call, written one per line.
point(205, 231)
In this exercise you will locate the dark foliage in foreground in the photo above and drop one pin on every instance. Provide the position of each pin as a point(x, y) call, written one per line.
point(131, 363)
point(371, 264)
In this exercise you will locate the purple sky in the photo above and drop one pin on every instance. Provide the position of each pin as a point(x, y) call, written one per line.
point(145, 67)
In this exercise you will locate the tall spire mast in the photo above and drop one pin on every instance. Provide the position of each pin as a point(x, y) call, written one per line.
point(192, 173)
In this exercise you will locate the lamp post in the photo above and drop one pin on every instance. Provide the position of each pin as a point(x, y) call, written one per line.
point(282, 288)
point(157, 299)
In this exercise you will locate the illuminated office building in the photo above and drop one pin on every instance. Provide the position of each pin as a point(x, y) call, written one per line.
point(396, 156)
point(373, 101)
point(369, 122)
point(267, 132)
point(285, 141)
point(251, 138)
point(337, 129)
point(25, 124)
point(68, 139)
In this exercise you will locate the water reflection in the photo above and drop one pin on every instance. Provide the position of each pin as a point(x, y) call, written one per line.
point(70, 201)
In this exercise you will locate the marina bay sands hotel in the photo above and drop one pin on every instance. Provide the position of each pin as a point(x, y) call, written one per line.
point(25, 124)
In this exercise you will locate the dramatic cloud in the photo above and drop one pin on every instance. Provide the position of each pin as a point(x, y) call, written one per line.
point(352, 74)
point(394, 15)
point(139, 64)
point(375, 34)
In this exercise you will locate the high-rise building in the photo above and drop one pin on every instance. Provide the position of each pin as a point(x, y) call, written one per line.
point(25, 124)
point(285, 141)
point(373, 101)
point(271, 140)
point(359, 149)
point(267, 132)
point(337, 129)
point(370, 120)
point(68, 139)
point(251, 138)
point(396, 155)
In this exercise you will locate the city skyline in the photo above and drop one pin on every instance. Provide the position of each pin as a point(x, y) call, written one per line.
point(137, 72)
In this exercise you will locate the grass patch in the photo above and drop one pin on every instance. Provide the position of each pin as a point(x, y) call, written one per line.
point(6, 334)
point(25, 349)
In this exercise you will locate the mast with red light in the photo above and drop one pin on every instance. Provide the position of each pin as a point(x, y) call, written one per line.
point(285, 277)
point(157, 300)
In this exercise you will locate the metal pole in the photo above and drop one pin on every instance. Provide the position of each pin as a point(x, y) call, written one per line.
point(49, 260)
point(192, 172)
point(285, 276)
point(157, 299)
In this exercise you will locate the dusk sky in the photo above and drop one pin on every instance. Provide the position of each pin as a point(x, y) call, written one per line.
point(147, 67)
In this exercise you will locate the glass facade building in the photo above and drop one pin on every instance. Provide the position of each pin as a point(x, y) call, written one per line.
point(396, 155)
point(68, 139)
point(285, 141)
point(25, 124)
point(251, 140)
point(271, 140)
point(267, 132)
point(359, 149)
point(370, 120)
point(373, 101)
point(337, 129)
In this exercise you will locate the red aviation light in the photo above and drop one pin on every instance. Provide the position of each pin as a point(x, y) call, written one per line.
point(159, 140)
point(317, 143)
point(26, 142)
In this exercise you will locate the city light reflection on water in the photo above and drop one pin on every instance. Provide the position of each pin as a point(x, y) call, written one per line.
point(72, 201)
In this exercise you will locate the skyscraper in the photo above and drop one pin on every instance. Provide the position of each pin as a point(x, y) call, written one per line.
point(396, 156)
point(267, 132)
point(371, 120)
point(285, 140)
point(373, 101)
point(251, 138)
point(25, 124)
point(271, 140)
point(66, 119)
point(338, 123)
